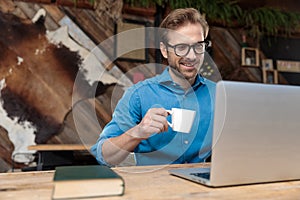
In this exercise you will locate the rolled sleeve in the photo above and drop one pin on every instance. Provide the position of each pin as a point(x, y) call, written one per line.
point(125, 116)
point(96, 151)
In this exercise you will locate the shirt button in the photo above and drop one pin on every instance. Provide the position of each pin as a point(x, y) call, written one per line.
point(186, 142)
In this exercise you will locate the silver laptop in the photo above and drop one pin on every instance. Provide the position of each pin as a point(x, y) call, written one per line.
point(256, 136)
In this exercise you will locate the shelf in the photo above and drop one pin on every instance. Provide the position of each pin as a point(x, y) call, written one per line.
point(250, 57)
point(270, 76)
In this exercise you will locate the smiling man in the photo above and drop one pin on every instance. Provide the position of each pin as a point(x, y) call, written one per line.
point(139, 122)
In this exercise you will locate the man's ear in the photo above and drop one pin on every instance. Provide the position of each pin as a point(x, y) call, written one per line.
point(163, 50)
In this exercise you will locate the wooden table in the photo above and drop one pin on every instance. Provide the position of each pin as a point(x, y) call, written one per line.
point(148, 182)
point(52, 155)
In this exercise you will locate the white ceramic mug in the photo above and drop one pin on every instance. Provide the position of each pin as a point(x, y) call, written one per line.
point(182, 119)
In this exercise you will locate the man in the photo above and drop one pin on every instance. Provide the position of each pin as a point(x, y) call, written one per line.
point(139, 122)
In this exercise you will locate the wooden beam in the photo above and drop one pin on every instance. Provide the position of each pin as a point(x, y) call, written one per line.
point(139, 11)
point(86, 4)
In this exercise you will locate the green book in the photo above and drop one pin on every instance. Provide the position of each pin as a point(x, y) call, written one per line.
point(86, 181)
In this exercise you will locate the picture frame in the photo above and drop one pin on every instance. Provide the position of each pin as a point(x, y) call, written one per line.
point(250, 57)
point(126, 43)
point(267, 64)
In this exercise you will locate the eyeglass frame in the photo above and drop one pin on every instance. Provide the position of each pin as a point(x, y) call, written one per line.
point(190, 46)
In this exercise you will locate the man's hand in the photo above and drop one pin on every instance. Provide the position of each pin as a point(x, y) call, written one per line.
point(153, 122)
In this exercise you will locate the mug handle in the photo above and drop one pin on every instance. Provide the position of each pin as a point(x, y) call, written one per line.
point(170, 113)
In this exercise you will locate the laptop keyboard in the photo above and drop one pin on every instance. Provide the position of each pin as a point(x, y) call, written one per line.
point(202, 175)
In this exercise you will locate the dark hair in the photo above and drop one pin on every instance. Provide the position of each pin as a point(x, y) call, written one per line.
point(180, 17)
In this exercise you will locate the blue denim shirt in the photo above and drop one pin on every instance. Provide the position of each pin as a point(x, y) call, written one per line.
point(169, 147)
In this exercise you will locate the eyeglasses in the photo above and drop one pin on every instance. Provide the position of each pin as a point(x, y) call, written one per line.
point(182, 50)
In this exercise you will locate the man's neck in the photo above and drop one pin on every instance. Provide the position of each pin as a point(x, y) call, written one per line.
point(180, 80)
